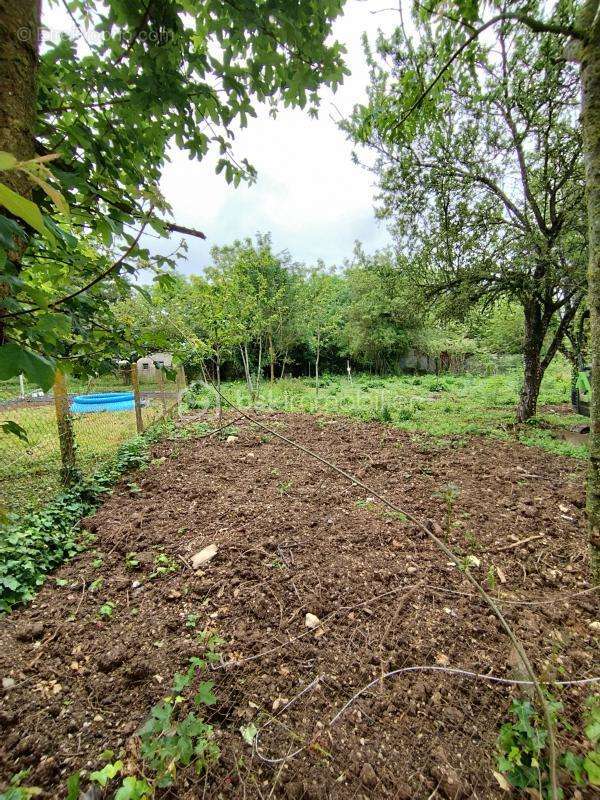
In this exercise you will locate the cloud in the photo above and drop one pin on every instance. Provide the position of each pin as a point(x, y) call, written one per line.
point(311, 196)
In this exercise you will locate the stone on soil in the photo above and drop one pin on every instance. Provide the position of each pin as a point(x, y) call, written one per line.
point(204, 556)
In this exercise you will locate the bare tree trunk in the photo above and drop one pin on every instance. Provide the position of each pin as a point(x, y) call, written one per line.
point(246, 362)
point(219, 403)
point(590, 83)
point(283, 365)
point(317, 357)
point(19, 48)
point(272, 358)
point(533, 341)
point(258, 369)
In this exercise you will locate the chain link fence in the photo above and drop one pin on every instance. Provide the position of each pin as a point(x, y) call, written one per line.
point(71, 427)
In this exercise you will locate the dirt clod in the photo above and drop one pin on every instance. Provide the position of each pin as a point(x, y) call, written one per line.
point(368, 776)
point(29, 632)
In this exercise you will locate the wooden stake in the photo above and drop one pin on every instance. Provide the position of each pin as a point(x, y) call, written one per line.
point(66, 438)
point(181, 384)
point(139, 423)
point(161, 389)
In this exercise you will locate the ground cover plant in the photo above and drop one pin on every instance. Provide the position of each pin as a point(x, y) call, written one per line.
point(31, 545)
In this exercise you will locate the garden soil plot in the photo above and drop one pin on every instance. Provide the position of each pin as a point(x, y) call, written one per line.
point(295, 539)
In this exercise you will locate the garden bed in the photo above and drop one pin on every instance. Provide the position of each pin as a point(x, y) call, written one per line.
point(295, 539)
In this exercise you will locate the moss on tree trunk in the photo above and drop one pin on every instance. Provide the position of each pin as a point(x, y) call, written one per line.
point(590, 82)
point(19, 47)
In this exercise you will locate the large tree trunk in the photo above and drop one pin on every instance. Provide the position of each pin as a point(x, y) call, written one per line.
point(532, 361)
point(590, 83)
point(19, 47)
point(19, 32)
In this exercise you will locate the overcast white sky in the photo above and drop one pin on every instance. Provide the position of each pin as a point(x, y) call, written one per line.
point(309, 194)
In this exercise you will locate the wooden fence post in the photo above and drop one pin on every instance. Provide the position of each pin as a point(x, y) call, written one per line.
point(139, 423)
point(181, 384)
point(161, 390)
point(66, 438)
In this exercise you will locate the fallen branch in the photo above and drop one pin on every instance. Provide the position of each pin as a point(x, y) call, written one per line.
point(516, 544)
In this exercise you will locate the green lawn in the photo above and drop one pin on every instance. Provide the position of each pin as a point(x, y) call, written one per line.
point(30, 471)
point(440, 406)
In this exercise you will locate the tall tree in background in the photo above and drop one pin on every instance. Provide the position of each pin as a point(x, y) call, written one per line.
point(383, 309)
point(322, 304)
point(491, 187)
point(263, 284)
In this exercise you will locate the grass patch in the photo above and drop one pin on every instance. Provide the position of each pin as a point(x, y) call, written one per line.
point(30, 471)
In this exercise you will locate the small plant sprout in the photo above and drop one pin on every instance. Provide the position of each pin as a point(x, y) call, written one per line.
point(134, 488)
point(98, 561)
point(472, 541)
point(107, 610)
point(191, 620)
point(397, 515)
point(449, 494)
point(284, 487)
point(163, 565)
point(491, 578)
point(368, 504)
point(131, 562)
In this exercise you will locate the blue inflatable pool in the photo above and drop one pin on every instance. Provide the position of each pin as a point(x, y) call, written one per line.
point(106, 401)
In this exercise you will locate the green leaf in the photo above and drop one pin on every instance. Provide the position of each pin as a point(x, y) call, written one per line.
point(7, 160)
point(180, 682)
point(133, 788)
point(15, 359)
point(13, 428)
point(25, 209)
point(205, 694)
point(249, 732)
point(107, 773)
point(73, 782)
point(9, 232)
point(591, 764)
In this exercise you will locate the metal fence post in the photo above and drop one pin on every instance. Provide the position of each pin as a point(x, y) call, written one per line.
point(66, 438)
point(139, 423)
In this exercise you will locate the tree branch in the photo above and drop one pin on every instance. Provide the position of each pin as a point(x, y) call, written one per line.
point(100, 277)
point(533, 24)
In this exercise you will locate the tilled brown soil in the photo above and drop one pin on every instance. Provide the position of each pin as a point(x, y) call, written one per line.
point(293, 539)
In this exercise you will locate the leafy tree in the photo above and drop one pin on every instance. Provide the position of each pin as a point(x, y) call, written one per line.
point(488, 180)
point(500, 328)
point(382, 309)
point(262, 284)
point(151, 72)
point(323, 299)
